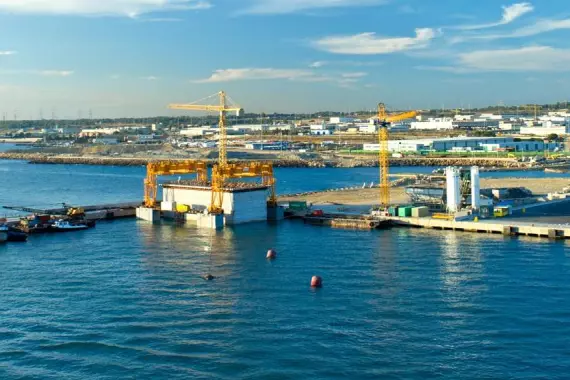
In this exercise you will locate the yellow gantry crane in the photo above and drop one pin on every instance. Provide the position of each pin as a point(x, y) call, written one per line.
point(384, 121)
point(159, 168)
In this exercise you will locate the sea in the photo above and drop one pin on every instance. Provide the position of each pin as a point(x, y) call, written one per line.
point(126, 300)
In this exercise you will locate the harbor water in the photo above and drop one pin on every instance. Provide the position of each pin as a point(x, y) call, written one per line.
point(127, 299)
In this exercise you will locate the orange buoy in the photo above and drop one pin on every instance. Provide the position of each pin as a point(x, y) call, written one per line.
point(271, 254)
point(316, 282)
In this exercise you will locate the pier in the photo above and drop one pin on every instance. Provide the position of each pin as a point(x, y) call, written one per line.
point(92, 213)
point(508, 227)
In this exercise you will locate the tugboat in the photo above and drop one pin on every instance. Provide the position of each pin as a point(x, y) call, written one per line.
point(66, 226)
point(35, 225)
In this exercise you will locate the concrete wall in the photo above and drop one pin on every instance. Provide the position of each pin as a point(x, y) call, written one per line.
point(239, 207)
point(249, 206)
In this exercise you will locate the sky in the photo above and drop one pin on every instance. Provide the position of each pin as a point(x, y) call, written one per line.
point(131, 58)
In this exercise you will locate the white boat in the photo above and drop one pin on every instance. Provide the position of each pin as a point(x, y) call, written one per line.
point(65, 226)
point(3, 234)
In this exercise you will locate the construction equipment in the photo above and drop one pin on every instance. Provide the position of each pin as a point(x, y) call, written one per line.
point(222, 108)
point(160, 168)
point(384, 121)
point(241, 170)
point(217, 172)
point(223, 170)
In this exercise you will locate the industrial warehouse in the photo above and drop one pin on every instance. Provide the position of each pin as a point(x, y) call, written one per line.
point(466, 144)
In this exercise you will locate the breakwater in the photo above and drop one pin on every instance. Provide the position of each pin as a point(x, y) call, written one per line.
point(39, 158)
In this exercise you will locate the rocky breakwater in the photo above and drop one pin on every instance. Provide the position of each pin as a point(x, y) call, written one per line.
point(42, 158)
point(39, 158)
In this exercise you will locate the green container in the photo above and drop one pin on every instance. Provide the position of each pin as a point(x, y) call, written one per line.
point(393, 210)
point(298, 206)
point(405, 212)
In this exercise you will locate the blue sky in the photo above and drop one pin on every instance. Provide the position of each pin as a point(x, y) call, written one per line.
point(133, 57)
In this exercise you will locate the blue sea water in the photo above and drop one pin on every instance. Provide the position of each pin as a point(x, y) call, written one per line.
point(127, 301)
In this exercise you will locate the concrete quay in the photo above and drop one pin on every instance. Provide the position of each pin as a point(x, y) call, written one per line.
point(503, 227)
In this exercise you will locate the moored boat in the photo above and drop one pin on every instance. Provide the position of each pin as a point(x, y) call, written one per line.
point(67, 226)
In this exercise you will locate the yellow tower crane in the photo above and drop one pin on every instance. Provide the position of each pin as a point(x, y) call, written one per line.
point(218, 178)
point(224, 171)
point(384, 121)
point(223, 108)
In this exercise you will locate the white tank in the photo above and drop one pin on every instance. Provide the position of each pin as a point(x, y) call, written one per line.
point(475, 188)
point(453, 190)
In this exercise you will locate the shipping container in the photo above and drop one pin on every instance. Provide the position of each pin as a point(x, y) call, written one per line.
point(420, 212)
point(182, 208)
point(405, 212)
point(298, 205)
point(393, 210)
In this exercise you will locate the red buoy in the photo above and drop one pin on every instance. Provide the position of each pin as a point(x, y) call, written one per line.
point(271, 254)
point(316, 282)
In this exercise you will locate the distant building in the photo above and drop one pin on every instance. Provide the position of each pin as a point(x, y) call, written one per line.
point(433, 124)
point(106, 141)
point(464, 144)
point(341, 120)
point(544, 131)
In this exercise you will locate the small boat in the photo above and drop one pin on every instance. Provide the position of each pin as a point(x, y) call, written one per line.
point(554, 170)
point(66, 226)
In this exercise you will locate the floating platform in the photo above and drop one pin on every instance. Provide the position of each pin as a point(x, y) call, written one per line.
point(356, 222)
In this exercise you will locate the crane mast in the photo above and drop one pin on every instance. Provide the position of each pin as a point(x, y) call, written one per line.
point(223, 144)
point(384, 158)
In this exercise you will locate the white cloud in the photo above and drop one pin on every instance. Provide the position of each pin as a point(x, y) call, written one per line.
point(115, 76)
point(542, 26)
point(354, 75)
point(7, 52)
point(318, 64)
point(369, 43)
point(131, 8)
point(229, 75)
point(534, 58)
point(150, 78)
point(56, 73)
point(300, 75)
point(510, 14)
point(291, 6)
point(526, 59)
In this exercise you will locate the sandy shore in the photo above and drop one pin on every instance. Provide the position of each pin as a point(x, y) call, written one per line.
point(361, 197)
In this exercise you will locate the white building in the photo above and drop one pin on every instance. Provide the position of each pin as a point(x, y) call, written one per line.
point(199, 131)
point(464, 144)
point(368, 128)
point(433, 124)
point(463, 117)
point(490, 116)
point(544, 131)
point(341, 120)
